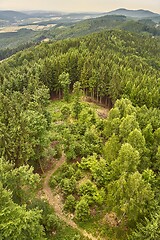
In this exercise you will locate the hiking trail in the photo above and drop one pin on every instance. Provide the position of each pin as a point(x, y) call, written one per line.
point(55, 200)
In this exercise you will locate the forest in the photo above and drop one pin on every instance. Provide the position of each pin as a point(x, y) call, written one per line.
point(70, 27)
point(85, 111)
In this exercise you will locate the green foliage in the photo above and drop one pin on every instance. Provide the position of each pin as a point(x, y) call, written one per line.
point(77, 107)
point(21, 181)
point(65, 112)
point(58, 151)
point(65, 82)
point(70, 203)
point(127, 161)
point(111, 148)
point(127, 125)
point(149, 229)
point(137, 140)
point(24, 123)
point(99, 172)
point(68, 185)
point(68, 233)
point(117, 159)
point(52, 223)
point(49, 220)
point(82, 211)
point(12, 42)
point(53, 182)
point(87, 188)
point(130, 196)
point(17, 222)
point(103, 63)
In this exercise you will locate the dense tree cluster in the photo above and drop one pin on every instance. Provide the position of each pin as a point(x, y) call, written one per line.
point(66, 27)
point(24, 123)
point(121, 175)
point(110, 64)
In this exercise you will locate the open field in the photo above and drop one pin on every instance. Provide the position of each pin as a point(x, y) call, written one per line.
point(31, 27)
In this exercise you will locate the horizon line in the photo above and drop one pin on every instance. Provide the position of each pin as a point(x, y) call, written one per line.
point(60, 11)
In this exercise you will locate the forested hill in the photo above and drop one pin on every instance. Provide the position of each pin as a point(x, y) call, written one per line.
point(134, 13)
point(106, 22)
point(62, 30)
point(103, 23)
point(12, 16)
point(110, 64)
point(110, 181)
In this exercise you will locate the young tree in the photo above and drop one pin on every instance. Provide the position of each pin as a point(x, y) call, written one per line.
point(70, 203)
point(126, 163)
point(111, 148)
point(82, 211)
point(77, 95)
point(137, 140)
point(128, 124)
point(130, 196)
point(65, 83)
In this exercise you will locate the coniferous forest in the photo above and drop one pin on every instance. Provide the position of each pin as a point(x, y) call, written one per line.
point(80, 139)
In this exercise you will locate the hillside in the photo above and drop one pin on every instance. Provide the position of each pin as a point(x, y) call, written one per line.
point(101, 23)
point(12, 16)
point(77, 170)
point(134, 13)
point(9, 18)
point(98, 168)
point(68, 29)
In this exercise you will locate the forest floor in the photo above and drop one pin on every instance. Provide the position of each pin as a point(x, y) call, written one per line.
point(101, 109)
point(55, 201)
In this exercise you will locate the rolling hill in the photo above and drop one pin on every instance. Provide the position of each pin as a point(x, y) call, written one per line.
point(134, 13)
point(12, 16)
point(72, 25)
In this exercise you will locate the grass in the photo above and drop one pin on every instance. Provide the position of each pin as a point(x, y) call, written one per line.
point(99, 227)
point(67, 233)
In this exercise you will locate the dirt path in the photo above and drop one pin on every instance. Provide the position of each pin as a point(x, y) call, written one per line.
point(54, 200)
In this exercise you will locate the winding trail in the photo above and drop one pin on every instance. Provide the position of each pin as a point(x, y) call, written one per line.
point(54, 200)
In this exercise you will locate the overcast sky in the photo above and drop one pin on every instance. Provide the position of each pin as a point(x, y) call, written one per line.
point(79, 5)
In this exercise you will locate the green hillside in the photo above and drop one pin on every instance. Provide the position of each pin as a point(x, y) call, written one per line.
point(67, 29)
point(100, 160)
point(106, 22)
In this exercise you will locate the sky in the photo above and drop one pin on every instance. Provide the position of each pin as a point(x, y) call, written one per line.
point(79, 5)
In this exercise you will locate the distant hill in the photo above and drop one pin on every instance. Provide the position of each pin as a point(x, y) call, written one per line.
point(67, 26)
point(87, 26)
point(106, 22)
point(12, 15)
point(63, 30)
point(133, 13)
point(43, 14)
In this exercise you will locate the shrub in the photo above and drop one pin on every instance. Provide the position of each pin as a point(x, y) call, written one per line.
point(52, 223)
point(70, 203)
point(82, 211)
point(53, 181)
point(65, 112)
point(68, 185)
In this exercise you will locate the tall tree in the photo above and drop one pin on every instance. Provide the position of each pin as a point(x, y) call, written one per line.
point(65, 84)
